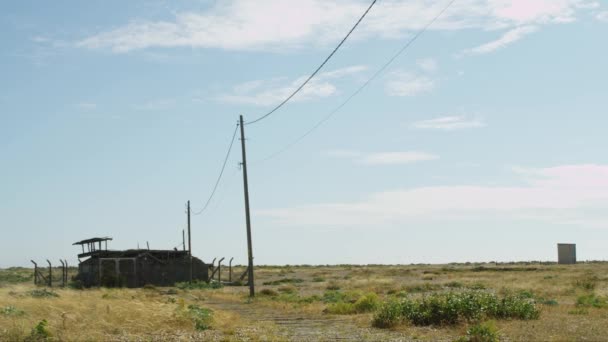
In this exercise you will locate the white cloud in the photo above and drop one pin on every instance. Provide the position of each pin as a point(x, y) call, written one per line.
point(602, 16)
point(154, 105)
point(279, 24)
point(392, 158)
point(403, 83)
point(559, 195)
point(382, 158)
point(427, 64)
point(86, 106)
point(507, 38)
point(448, 123)
point(271, 92)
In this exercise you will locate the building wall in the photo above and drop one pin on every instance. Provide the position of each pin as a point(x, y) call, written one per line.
point(566, 253)
point(139, 271)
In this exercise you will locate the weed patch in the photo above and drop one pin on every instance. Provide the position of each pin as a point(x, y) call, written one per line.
point(591, 300)
point(454, 307)
point(482, 332)
point(40, 332)
point(284, 281)
point(202, 317)
point(198, 285)
point(43, 293)
point(11, 311)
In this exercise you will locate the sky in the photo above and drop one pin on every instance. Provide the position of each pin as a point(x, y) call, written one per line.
point(484, 141)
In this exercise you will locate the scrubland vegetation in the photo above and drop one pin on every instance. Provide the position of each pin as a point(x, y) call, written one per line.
point(456, 302)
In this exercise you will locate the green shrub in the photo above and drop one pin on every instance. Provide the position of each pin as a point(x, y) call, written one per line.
point(340, 308)
point(367, 303)
point(202, 317)
point(333, 296)
point(388, 315)
point(588, 283)
point(198, 285)
point(578, 311)
point(11, 311)
point(40, 332)
point(551, 302)
point(454, 285)
point(483, 332)
point(284, 281)
point(318, 279)
point(76, 284)
point(42, 293)
point(454, 307)
point(288, 289)
point(269, 293)
point(591, 300)
point(333, 286)
point(426, 287)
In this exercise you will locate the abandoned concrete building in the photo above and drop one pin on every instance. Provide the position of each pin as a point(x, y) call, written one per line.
point(136, 267)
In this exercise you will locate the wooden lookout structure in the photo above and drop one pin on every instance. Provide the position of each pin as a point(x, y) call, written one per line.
point(136, 267)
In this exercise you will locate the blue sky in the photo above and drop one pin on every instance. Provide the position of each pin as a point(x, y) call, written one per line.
point(484, 141)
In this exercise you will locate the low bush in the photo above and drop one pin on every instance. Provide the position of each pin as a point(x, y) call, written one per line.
point(318, 279)
point(551, 302)
point(333, 286)
point(340, 308)
point(202, 317)
point(420, 288)
point(288, 289)
point(368, 303)
point(40, 332)
point(591, 300)
point(454, 307)
point(284, 281)
point(11, 311)
point(587, 283)
point(454, 285)
point(482, 332)
point(43, 293)
point(388, 315)
point(198, 285)
point(269, 293)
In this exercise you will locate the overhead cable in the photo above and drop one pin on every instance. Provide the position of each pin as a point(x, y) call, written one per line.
point(376, 74)
point(219, 178)
point(316, 71)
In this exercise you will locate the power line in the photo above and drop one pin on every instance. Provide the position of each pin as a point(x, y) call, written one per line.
point(316, 71)
point(376, 74)
point(221, 173)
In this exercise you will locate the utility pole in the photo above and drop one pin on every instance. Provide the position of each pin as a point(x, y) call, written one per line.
point(189, 239)
point(247, 215)
point(183, 240)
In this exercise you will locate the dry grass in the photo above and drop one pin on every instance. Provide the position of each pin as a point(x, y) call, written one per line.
point(160, 314)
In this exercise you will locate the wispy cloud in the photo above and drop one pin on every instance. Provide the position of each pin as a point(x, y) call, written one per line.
point(269, 92)
point(427, 64)
point(277, 24)
point(602, 16)
point(560, 195)
point(448, 123)
point(155, 105)
point(402, 83)
point(383, 158)
point(507, 38)
point(393, 158)
point(86, 106)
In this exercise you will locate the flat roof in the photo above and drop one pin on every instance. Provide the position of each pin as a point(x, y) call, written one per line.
point(92, 240)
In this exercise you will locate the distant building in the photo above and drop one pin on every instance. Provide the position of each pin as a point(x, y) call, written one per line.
point(135, 267)
point(566, 253)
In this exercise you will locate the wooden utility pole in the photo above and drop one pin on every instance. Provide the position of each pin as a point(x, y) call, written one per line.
point(183, 240)
point(247, 215)
point(189, 240)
